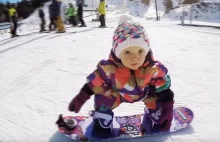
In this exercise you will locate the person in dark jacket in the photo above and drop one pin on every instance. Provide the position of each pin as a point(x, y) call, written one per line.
point(80, 4)
point(52, 25)
point(56, 5)
point(43, 22)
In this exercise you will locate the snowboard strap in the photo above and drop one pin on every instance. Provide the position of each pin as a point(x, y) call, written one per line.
point(105, 119)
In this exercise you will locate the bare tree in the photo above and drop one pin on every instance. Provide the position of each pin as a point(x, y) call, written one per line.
point(168, 5)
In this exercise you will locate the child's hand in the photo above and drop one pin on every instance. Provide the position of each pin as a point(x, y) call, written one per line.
point(150, 102)
point(163, 115)
point(77, 102)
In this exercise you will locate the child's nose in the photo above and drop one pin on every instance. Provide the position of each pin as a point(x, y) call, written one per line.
point(134, 56)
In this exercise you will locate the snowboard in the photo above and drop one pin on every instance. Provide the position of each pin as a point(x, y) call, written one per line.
point(124, 127)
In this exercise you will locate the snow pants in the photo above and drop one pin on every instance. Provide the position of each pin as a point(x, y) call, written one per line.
point(161, 115)
point(102, 20)
point(59, 24)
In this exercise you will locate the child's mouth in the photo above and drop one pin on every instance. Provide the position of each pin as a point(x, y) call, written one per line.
point(134, 64)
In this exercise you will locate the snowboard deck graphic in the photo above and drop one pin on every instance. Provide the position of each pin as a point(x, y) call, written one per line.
point(124, 127)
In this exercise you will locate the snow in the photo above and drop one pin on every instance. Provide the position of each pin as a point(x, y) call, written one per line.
point(208, 12)
point(41, 73)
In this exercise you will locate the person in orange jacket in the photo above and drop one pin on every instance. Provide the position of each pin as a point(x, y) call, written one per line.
point(129, 75)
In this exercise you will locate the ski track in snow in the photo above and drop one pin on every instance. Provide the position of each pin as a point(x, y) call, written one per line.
point(41, 73)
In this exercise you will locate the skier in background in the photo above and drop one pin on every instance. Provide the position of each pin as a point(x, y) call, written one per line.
point(71, 13)
point(13, 17)
point(102, 12)
point(52, 24)
point(80, 4)
point(56, 4)
point(43, 21)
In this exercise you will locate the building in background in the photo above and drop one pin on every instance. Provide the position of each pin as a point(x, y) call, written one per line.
point(92, 3)
point(137, 8)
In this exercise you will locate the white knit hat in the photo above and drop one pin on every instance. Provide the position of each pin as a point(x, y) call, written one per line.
point(129, 33)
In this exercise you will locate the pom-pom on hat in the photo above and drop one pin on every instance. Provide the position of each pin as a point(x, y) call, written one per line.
point(129, 33)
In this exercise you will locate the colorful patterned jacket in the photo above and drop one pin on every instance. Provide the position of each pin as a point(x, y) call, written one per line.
point(112, 78)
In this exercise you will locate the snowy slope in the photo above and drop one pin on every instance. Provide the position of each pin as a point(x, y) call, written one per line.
point(41, 73)
point(207, 12)
point(149, 11)
point(138, 8)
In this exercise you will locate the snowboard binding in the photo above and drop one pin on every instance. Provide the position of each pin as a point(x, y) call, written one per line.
point(67, 124)
point(102, 124)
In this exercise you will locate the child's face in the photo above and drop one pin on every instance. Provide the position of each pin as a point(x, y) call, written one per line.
point(133, 57)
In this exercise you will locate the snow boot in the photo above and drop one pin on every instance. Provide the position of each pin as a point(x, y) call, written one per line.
point(102, 127)
point(82, 26)
point(102, 26)
point(61, 31)
point(13, 36)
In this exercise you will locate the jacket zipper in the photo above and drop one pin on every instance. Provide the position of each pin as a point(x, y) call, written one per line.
point(135, 81)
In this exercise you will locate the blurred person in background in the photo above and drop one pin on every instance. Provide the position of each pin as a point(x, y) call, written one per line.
point(43, 21)
point(71, 13)
point(56, 5)
point(80, 4)
point(52, 24)
point(102, 12)
point(13, 17)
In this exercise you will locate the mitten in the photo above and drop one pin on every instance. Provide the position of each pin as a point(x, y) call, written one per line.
point(78, 101)
point(160, 109)
point(162, 116)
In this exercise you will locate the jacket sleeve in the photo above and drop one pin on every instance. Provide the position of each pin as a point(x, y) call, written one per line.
point(74, 11)
point(98, 80)
point(160, 79)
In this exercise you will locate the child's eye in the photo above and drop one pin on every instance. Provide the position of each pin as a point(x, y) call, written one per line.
point(140, 51)
point(127, 52)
